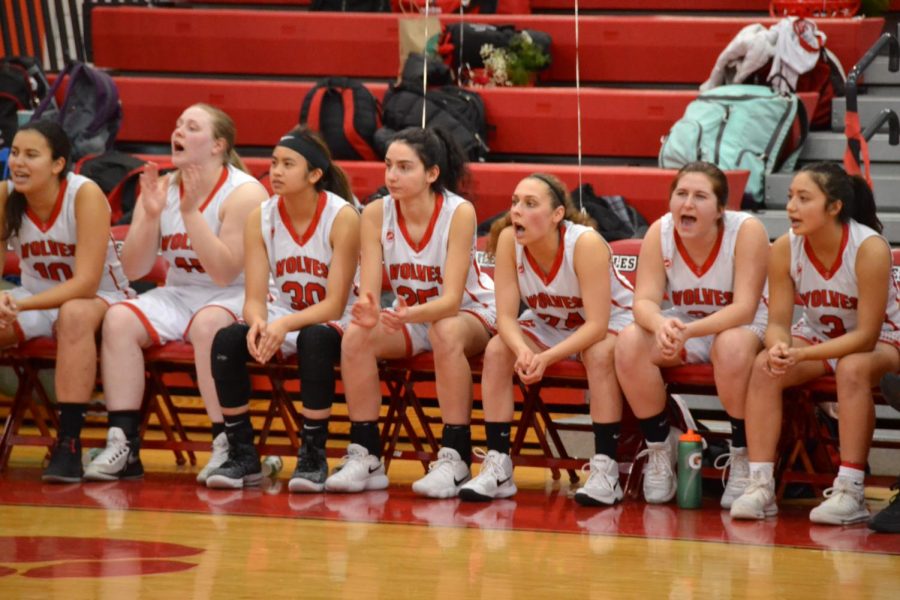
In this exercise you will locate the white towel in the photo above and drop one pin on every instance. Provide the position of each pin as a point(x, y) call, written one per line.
point(797, 49)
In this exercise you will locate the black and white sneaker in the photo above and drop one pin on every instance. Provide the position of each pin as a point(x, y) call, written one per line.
point(119, 460)
point(65, 462)
point(241, 469)
point(311, 471)
point(494, 481)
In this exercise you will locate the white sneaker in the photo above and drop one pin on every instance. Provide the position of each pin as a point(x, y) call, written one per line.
point(738, 474)
point(360, 471)
point(116, 461)
point(845, 503)
point(758, 499)
point(218, 458)
point(659, 472)
point(602, 486)
point(494, 481)
point(444, 477)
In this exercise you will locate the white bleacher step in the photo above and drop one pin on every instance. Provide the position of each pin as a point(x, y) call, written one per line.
point(869, 108)
point(885, 186)
point(828, 145)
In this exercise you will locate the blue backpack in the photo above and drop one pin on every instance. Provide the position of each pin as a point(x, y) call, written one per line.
point(91, 113)
point(738, 127)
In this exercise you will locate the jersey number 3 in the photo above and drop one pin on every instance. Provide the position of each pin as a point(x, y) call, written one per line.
point(835, 325)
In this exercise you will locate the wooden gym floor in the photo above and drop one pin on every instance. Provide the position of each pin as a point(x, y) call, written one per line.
point(167, 537)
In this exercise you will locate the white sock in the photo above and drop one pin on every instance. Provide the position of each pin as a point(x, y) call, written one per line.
point(765, 469)
point(856, 476)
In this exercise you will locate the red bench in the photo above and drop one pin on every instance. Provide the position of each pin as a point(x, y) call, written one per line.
point(613, 49)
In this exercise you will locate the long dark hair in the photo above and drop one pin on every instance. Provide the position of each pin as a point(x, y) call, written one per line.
point(60, 147)
point(333, 179)
point(857, 199)
point(559, 196)
point(435, 147)
point(713, 173)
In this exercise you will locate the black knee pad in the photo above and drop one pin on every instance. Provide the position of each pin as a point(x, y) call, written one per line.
point(318, 351)
point(229, 356)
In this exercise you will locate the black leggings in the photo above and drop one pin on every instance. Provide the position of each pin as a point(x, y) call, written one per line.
point(318, 351)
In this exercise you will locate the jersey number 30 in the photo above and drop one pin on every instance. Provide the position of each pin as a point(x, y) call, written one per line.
point(300, 298)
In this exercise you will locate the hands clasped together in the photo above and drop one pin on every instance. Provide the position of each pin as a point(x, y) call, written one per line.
point(9, 310)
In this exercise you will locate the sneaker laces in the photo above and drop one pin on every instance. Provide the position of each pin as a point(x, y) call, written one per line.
point(591, 474)
point(69, 442)
point(841, 488)
point(756, 484)
point(306, 459)
point(441, 460)
point(112, 453)
point(349, 458)
point(657, 461)
point(725, 466)
point(490, 464)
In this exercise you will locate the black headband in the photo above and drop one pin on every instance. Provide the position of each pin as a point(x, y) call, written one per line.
point(313, 155)
point(559, 196)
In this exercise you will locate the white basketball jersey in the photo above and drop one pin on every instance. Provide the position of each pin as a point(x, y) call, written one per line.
point(556, 296)
point(175, 246)
point(701, 290)
point(416, 271)
point(830, 297)
point(299, 261)
point(46, 250)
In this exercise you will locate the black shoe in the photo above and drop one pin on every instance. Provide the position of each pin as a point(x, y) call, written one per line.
point(890, 388)
point(242, 469)
point(311, 471)
point(65, 462)
point(888, 520)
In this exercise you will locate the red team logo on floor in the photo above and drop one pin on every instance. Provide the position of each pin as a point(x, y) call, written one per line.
point(63, 557)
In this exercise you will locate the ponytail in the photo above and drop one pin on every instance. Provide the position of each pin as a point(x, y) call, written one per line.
point(235, 161)
point(865, 211)
point(855, 195)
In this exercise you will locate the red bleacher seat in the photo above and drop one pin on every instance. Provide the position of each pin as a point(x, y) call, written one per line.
point(613, 48)
point(11, 264)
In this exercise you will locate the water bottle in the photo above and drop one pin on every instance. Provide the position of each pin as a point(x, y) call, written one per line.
point(690, 465)
point(271, 466)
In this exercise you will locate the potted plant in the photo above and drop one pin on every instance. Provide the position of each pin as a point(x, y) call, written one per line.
point(517, 64)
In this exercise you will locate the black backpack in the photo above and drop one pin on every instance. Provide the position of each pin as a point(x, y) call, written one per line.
point(91, 113)
point(458, 111)
point(22, 86)
point(117, 174)
point(346, 114)
point(351, 5)
point(615, 219)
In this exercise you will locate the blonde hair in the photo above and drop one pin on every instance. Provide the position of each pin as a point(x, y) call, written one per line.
point(224, 128)
point(559, 196)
